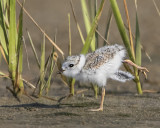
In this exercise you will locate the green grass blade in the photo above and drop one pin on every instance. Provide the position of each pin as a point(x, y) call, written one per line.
point(19, 70)
point(91, 9)
point(109, 18)
point(34, 50)
point(86, 15)
point(4, 75)
point(0, 58)
point(52, 66)
point(3, 33)
point(20, 29)
point(12, 39)
point(137, 43)
point(95, 39)
point(1, 73)
point(96, 90)
point(93, 28)
point(20, 49)
point(72, 81)
point(69, 46)
point(6, 12)
point(47, 63)
point(78, 27)
point(138, 54)
point(87, 22)
point(96, 34)
point(121, 28)
point(42, 67)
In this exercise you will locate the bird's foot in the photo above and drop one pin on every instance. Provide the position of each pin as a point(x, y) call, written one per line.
point(96, 110)
point(142, 69)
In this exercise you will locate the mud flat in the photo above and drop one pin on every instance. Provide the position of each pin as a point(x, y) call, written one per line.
point(120, 110)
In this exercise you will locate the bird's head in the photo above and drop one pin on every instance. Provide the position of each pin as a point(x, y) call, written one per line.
point(73, 65)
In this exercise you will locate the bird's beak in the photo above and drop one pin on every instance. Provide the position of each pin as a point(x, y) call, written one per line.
point(60, 71)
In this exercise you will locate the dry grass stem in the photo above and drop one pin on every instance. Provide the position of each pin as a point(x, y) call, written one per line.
point(26, 53)
point(28, 83)
point(129, 27)
point(158, 11)
point(77, 24)
point(102, 36)
point(3, 54)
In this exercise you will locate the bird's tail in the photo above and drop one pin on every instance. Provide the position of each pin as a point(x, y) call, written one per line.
point(122, 76)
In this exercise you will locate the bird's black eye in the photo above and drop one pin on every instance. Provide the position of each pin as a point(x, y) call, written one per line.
point(71, 65)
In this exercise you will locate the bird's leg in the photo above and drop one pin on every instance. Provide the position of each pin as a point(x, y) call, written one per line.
point(102, 100)
point(142, 69)
point(135, 65)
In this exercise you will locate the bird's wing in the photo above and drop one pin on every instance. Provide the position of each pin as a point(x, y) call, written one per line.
point(122, 76)
point(101, 56)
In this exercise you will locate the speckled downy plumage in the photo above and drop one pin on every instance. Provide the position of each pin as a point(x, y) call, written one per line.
point(98, 66)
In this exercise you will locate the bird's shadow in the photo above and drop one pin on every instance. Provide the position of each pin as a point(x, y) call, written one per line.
point(31, 105)
point(62, 105)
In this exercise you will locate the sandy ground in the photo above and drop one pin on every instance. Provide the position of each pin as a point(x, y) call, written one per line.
point(120, 110)
point(122, 106)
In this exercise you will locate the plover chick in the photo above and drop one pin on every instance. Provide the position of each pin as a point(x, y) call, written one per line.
point(97, 67)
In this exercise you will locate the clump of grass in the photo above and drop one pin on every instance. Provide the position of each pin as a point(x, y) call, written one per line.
point(44, 66)
point(11, 42)
point(11, 47)
point(133, 49)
